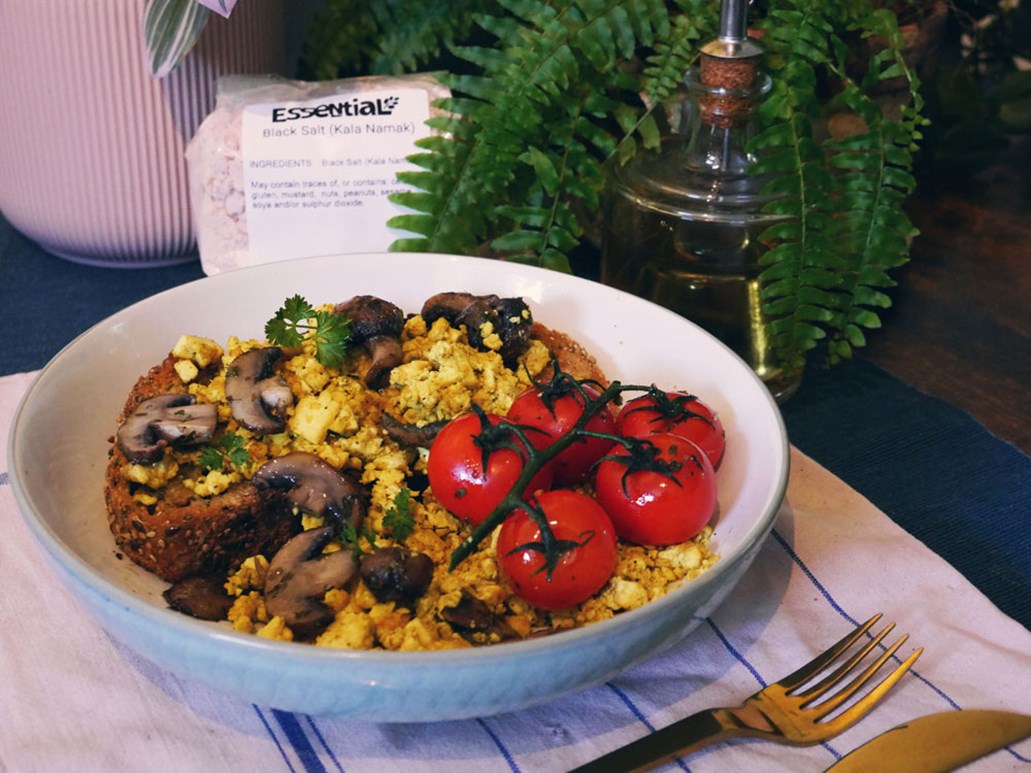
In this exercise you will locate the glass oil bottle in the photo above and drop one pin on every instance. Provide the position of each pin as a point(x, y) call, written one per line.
point(681, 226)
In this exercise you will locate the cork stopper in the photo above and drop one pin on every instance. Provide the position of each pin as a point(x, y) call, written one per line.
point(728, 70)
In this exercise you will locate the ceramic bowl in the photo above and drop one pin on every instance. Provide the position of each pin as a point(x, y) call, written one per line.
point(58, 452)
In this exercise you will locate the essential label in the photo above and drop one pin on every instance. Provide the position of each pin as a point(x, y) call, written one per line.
point(317, 173)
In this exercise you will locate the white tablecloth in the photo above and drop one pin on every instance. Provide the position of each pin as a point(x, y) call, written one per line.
point(71, 698)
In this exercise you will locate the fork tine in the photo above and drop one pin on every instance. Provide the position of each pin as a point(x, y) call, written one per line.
point(846, 692)
point(818, 689)
point(859, 709)
point(820, 662)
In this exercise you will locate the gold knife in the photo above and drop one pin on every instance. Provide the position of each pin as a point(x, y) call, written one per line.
point(937, 742)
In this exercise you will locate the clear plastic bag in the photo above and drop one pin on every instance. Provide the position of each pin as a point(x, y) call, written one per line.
point(284, 169)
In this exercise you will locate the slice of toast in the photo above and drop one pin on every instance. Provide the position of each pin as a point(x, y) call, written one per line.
point(572, 357)
point(183, 534)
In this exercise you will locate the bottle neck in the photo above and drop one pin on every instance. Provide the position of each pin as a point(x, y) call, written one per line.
point(720, 123)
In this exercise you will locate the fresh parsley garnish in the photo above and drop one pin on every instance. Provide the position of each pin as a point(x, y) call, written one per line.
point(228, 449)
point(298, 320)
point(399, 518)
point(351, 538)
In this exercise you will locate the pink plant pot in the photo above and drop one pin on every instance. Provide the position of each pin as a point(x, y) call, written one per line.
point(91, 145)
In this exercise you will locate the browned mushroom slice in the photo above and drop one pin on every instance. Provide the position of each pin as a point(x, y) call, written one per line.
point(471, 616)
point(299, 576)
point(514, 327)
point(410, 434)
point(394, 574)
point(258, 396)
point(510, 318)
point(447, 305)
point(203, 597)
point(314, 486)
point(158, 421)
point(375, 324)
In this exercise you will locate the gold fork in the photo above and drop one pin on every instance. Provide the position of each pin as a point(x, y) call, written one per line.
point(794, 711)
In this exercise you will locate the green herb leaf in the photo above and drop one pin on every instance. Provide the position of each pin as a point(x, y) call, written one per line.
point(332, 335)
point(350, 538)
point(229, 449)
point(211, 458)
point(297, 320)
point(399, 518)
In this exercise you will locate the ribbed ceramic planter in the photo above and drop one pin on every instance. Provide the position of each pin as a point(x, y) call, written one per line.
point(91, 146)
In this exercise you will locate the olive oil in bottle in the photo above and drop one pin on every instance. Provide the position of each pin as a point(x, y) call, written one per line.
point(682, 226)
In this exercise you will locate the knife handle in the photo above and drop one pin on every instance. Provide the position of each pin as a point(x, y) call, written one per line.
point(682, 737)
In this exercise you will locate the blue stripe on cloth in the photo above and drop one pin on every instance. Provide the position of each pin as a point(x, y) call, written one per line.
point(737, 655)
point(631, 705)
point(322, 740)
point(500, 744)
point(299, 741)
point(3, 479)
point(640, 715)
point(812, 578)
point(837, 608)
point(753, 670)
point(272, 735)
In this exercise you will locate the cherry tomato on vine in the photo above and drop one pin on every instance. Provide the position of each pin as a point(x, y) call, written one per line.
point(554, 413)
point(657, 499)
point(455, 467)
point(677, 412)
point(586, 558)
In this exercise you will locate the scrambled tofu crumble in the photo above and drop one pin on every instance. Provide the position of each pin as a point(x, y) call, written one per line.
point(337, 418)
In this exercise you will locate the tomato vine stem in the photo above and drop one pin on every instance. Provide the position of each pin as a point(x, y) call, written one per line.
point(535, 459)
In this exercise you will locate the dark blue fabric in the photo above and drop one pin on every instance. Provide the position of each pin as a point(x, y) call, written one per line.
point(935, 471)
point(46, 301)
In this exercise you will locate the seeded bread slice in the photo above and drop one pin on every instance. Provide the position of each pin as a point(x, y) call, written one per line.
point(572, 357)
point(183, 534)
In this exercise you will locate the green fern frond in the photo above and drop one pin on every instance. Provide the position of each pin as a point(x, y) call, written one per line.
point(387, 37)
point(519, 141)
point(676, 51)
point(545, 234)
point(824, 280)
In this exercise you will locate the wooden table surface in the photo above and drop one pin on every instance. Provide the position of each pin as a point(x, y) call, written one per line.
point(960, 325)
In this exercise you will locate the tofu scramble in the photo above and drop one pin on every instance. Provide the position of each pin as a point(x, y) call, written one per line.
point(338, 418)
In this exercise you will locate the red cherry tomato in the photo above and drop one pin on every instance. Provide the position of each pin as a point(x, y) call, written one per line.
point(585, 564)
point(554, 416)
point(677, 412)
point(456, 471)
point(664, 505)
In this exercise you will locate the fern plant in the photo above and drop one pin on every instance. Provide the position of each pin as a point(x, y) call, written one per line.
point(545, 93)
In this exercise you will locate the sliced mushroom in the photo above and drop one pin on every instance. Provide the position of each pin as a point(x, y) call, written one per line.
point(447, 305)
point(479, 312)
point(514, 327)
point(299, 576)
point(394, 574)
point(410, 434)
point(158, 421)
point(258, 396)
point(471, 616)
point(376, 324)
point(315, 486)
point(201, 596)
point(509, 317)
